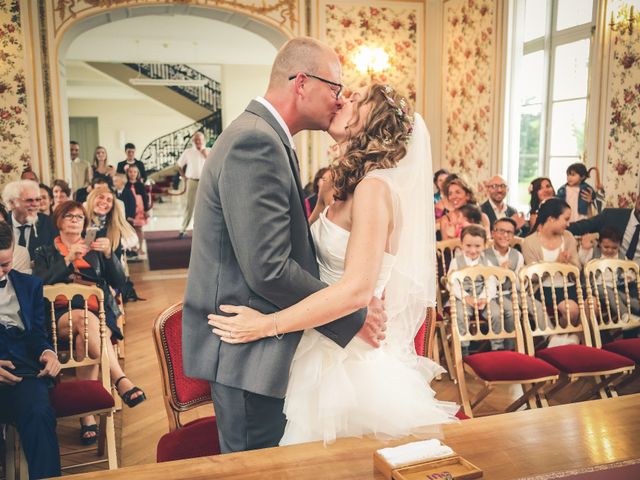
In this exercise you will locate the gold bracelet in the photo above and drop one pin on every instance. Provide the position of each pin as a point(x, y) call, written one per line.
point(275, 327)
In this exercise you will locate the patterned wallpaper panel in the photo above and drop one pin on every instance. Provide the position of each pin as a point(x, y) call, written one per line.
point(468, 64)
point(391, 26)
point(14, 139)
point(622, 161)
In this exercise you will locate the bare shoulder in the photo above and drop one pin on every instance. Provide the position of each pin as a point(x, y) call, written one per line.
point(372, 187)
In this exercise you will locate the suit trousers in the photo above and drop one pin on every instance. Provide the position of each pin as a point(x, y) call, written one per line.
point(246, 420)
point(27, 405)
point(192, 189)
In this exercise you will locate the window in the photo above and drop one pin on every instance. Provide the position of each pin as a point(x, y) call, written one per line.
point(549, 91)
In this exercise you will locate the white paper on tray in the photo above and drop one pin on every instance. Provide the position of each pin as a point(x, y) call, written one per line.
point(415, 452)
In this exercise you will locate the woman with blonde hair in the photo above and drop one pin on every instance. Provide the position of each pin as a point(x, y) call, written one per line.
point(101, 167)
point(107, 214)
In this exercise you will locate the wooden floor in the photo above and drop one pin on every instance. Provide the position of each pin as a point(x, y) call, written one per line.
point(138, 429)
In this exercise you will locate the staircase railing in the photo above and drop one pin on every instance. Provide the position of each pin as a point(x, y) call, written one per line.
point(207, 96)
point(165, 151)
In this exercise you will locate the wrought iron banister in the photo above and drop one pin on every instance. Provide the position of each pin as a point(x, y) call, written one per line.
point(165, 151)
point(207, 96)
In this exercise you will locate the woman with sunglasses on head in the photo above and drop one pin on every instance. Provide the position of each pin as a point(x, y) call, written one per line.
point(69, 260)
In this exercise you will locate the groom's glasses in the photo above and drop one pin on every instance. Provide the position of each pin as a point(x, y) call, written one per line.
point(336, 87)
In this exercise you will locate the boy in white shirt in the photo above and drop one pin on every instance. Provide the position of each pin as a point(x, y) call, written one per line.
point(473, 240)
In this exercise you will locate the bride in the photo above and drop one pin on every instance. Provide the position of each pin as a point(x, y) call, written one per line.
point(376, 239)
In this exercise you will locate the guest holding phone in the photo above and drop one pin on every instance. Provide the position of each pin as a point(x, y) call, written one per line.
point(27, 364)
point(71, 259)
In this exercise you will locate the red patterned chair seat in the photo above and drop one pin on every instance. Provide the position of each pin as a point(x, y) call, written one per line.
point(583, 359)
point(629, 348)
point(195, 439)
point(509, 366)
point(79, 396)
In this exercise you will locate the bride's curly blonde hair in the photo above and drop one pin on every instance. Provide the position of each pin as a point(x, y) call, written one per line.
point(380, 144)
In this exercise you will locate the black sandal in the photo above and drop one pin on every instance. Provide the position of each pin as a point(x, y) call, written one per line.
point(86, 429)
point(126, 396)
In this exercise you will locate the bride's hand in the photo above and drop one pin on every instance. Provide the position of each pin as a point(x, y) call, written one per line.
point(248, 325)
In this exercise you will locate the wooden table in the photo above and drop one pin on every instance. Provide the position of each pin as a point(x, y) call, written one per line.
point(504, 446)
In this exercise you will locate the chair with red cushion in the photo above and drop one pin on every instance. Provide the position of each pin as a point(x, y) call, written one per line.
point(494, 368)
point(445, 250)
point(610, 309)
point(198, 438)
point(425, 336)
point(80, 398)
point(584, 361)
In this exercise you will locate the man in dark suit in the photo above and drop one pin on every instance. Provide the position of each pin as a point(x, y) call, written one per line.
point(130, 151)
point(124, 194)
point(27, 364)
point(30, 227)
point(496, 207)
point(625, 220)
point(252, 246)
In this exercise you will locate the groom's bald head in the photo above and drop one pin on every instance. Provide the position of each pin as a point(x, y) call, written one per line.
point(300, 55)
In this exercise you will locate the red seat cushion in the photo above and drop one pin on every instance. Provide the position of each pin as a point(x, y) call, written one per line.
point(460, 415)
point(419, 340)
point(629, 348)
point(509, 366)
point(582, 359)
point(79, 396)
point(196, 439)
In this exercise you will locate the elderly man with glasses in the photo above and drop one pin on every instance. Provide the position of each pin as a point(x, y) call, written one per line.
point(30, 227)
point(496, 207)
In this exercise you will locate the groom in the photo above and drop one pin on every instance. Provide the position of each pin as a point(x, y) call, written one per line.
point(252, 246)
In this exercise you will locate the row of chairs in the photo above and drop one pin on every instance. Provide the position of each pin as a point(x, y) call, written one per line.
point(529, 365)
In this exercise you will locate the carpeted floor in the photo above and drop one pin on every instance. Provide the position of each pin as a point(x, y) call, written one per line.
point(165, 250)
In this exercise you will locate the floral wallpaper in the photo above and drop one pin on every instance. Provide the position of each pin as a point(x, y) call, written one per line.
point(348, 26)
point(622, 162)
point(14, 154)
point(469, 43)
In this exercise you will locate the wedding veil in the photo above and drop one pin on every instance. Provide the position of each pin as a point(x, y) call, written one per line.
point(412, 285)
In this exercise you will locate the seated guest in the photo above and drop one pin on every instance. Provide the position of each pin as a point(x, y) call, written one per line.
point(312, 198)
point(21, 258)
point(457, 194)
point(30, 227)
point(61, 192)
point(551, 242)
point(106, 215)
point(541, 189)
point(496, 207)
point(96, 182)
point(439, 178)
point(46, 199)
point(139, 220)
point(608, 246)
point(626, 220)
point(473, 243)
point(27, 364)
point(69, 260)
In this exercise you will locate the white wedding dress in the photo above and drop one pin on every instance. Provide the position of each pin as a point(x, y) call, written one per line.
point(335, 392)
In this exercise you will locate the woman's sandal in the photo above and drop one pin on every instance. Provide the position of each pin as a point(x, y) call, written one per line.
point(126, 396)
point(86, 429)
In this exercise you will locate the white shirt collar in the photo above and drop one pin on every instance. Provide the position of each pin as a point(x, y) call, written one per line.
point(278, 118)
point(16, 223)
point(496, 208)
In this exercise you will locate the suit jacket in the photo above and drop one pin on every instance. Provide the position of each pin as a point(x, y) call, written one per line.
point(129, 201)
point(27, 346)
point(617, 218)
point(251, 246)
point(46, 233)
point(487, 209)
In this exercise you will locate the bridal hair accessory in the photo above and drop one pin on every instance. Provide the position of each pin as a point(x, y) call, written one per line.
point(400, 108)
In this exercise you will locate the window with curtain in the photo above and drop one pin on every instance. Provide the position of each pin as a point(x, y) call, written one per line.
point(551, 45)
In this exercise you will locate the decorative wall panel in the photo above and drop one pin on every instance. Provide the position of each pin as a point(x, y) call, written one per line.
point(622, 162)
point(468, 84)
point(14, 133)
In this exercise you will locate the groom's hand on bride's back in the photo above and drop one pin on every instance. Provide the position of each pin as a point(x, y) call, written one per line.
point(375, 324)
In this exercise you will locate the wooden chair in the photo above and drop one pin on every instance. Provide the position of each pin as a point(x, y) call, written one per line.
point(445, 251)
point(576, 362)
point(611, 310)
point(493, 368)
point(199, 437)
point(425, 336)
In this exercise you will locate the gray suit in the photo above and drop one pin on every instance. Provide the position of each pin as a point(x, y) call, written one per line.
point(251, 246)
